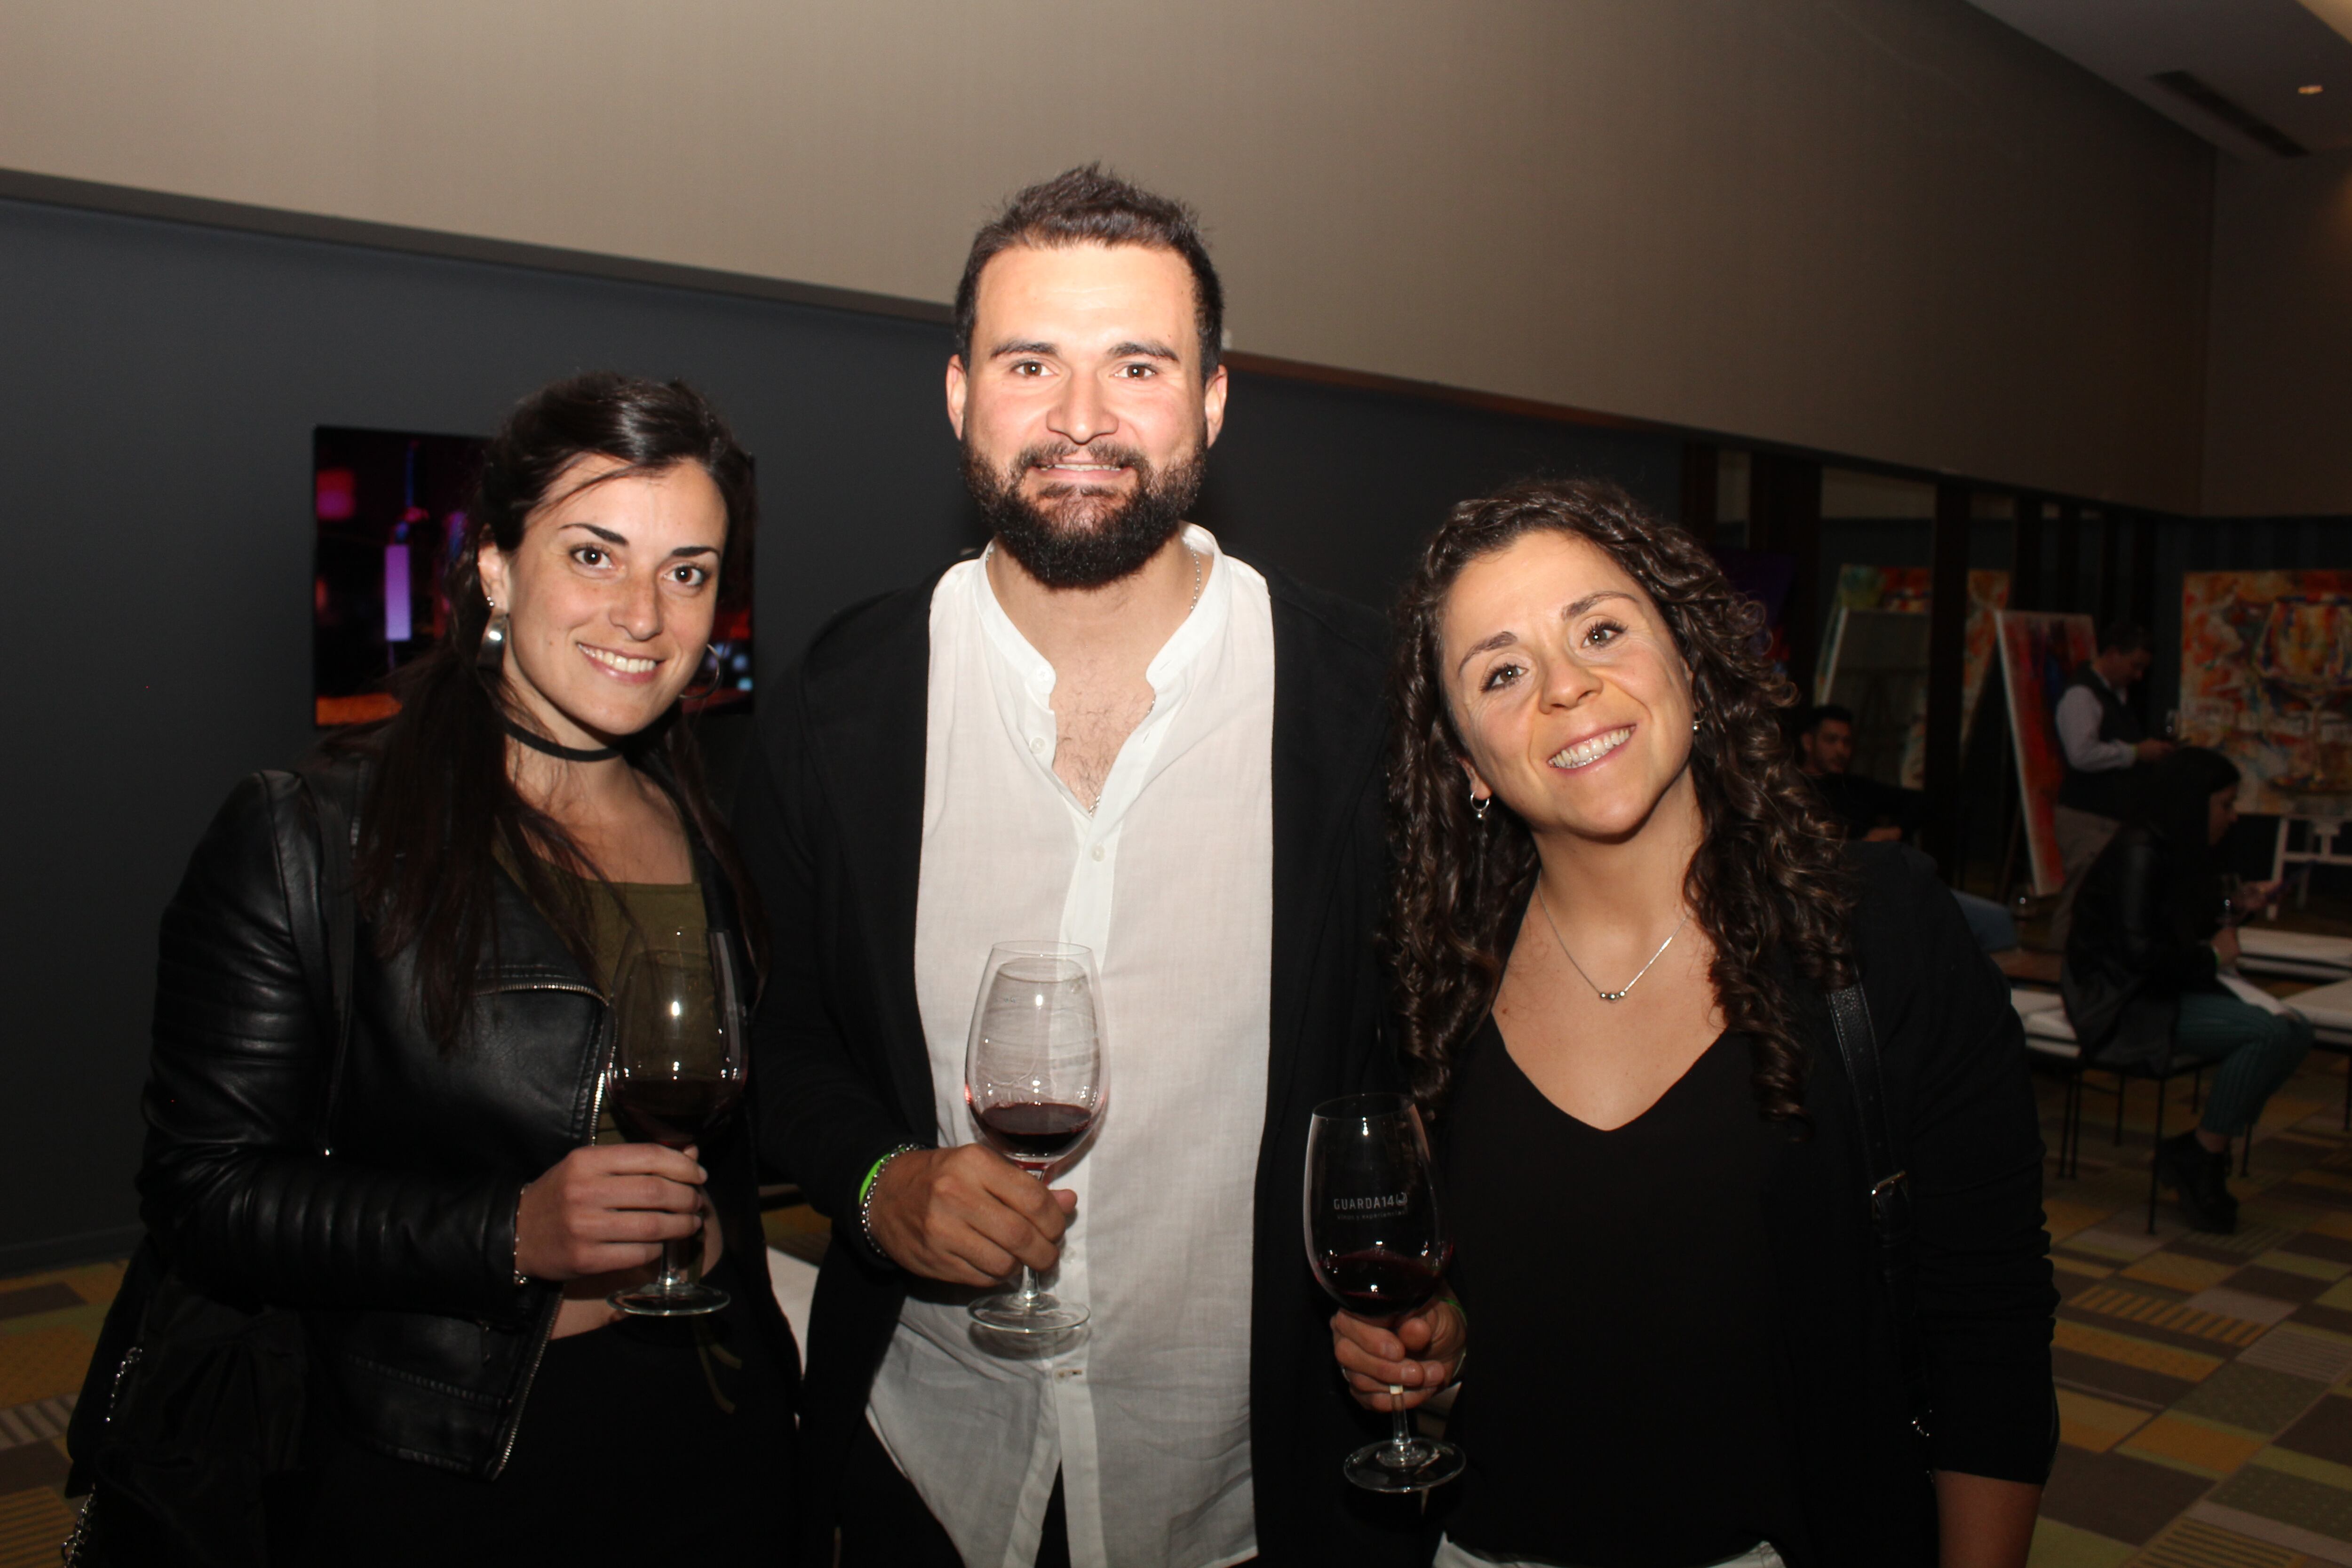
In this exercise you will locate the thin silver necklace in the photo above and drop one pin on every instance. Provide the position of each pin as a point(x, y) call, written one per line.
point(1605, 995)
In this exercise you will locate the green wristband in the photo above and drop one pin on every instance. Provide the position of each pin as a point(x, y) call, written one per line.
point(865, 1194)
point(873, 1172)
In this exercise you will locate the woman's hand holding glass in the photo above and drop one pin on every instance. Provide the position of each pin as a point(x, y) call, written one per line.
point(1421, 1354)
point(606, 1208)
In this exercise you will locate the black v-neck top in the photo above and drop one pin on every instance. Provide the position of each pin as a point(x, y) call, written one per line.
point(1618, 1408)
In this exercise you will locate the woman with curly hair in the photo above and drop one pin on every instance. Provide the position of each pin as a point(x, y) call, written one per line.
point(1617, 916)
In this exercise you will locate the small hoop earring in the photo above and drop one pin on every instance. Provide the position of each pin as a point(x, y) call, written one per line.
point(1478, 805)
point(1693, 726)
point(717, 664)
point(493, 651)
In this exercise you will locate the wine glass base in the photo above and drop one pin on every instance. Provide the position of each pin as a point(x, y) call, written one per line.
point(1012, 1313)
point(647, 1301)
point(1420, 1464)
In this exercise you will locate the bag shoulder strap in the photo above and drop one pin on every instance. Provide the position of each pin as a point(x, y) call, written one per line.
point(1890, 1186)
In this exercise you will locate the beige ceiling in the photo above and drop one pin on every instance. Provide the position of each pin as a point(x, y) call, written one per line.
point(2259, 53)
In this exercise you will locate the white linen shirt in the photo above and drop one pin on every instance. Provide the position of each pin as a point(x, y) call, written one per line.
point(1145, 1411)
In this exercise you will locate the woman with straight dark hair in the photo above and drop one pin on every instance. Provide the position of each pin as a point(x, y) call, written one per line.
point(2153, 929)
point(443, 1195)
point(1617, 917)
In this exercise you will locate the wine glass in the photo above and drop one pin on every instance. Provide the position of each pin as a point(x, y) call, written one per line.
point(1033, 1079)
point(1378, 1245)
point(677, 1071)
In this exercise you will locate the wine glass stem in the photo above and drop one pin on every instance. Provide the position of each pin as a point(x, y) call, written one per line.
point(1029, 1288)
point(1399, 1422)
point(677, 1260)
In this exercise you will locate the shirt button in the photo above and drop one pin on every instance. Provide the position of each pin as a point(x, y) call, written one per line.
point(1038, 743)
point(1097, 851)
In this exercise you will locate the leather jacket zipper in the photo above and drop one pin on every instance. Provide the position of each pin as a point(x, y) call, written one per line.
point(547, 1328)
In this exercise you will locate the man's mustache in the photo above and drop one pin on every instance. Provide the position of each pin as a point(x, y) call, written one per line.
point(1047, 455)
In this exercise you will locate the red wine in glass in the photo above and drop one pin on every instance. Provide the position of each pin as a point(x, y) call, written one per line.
point(1378, 1246)
point(1033, 1077)
point(674, 1112)
point(679, 1067)
point(1380, 1286)
point(1033, 1133)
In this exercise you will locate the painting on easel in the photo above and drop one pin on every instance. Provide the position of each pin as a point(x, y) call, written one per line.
point(2266, 681)
point(1874, 661)
point(2039, 652)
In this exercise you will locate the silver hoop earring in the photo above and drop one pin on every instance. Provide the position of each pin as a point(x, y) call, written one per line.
point(493, 651)
point(1693, 726)
point(1479, 804)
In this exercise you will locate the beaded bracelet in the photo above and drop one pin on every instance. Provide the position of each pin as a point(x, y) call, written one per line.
point(520, 1279)
point(866, 1196)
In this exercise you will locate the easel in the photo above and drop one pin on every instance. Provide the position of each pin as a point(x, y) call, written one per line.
point(2324, 819)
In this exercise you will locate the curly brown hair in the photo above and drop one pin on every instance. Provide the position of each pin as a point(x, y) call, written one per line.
point(1765, 884)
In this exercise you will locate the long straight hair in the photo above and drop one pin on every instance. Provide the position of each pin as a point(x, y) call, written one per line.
point(2174, 803)
point(442, 812)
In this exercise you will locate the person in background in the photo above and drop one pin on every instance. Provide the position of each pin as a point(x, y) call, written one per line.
point(1872, 811)
point(450, 1218)
point(1875, 813)
point(2142, 977)
point(2107, 751)
point(1616, 921)
point(1106, 731)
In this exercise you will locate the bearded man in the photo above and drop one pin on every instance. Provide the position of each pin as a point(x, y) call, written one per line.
point(1104, 730)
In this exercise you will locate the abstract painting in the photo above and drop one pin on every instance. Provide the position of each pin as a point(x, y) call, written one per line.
point(2039, 653)
point(2266, 681)
point(1866, 591)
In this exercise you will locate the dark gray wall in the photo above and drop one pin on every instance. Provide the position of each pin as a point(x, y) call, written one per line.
point(161, 382)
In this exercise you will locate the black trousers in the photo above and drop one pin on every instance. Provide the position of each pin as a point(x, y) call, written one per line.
point(623, 1455)
point(885, 1524)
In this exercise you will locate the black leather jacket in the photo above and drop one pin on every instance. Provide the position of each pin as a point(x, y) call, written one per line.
point(2132, 951)
point(382, 1206)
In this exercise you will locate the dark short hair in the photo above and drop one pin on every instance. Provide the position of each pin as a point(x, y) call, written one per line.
point(1090, 205)
point(2124, 636)
point(1820, 713)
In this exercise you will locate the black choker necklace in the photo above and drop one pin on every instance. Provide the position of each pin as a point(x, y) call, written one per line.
point(538, 742)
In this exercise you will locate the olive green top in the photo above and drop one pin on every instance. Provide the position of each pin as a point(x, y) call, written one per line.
point(657, 917)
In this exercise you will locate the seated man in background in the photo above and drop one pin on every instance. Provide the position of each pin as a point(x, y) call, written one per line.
point(1868, 810)
point(1879, 813)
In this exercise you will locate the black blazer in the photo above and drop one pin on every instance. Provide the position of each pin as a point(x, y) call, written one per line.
point(1962, 1116)
point(830, 821)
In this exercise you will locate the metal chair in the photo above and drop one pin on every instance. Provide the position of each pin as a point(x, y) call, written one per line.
point(2050, 1036)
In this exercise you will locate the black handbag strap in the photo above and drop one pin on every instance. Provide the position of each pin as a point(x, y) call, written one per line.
point(1890, 1188)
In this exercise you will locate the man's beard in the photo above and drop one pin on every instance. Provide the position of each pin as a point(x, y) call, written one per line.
point(1077, 535)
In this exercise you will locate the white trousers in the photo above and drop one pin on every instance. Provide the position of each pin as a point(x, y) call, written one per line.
point(1452, 1556)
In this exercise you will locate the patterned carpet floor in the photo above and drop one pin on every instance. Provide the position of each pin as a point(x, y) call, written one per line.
point(2204, 1381)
